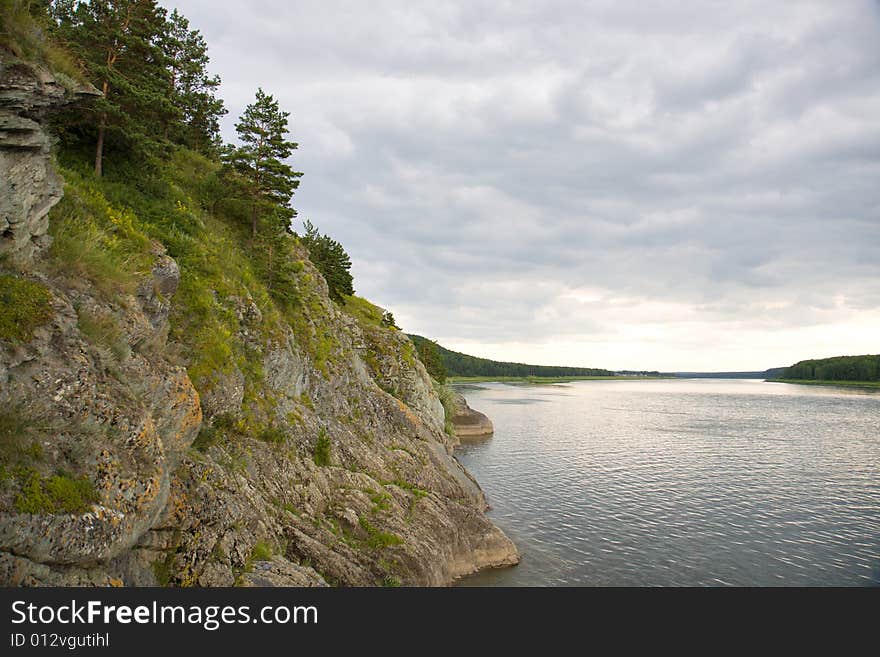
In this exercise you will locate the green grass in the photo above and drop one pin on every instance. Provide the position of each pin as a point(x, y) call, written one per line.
point(60, 493)
point(272, 434)
point(377, 539)
point(321, 453)
point(845, 384)
point(16, 431)
point(363, 311)
point(162, 568)
point(25, 36)
point(447, 399)
point(541, 380)
point(24, 306)
point(103, 330)
point(261, 551)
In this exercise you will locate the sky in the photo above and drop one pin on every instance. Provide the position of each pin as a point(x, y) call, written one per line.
point(630, 185)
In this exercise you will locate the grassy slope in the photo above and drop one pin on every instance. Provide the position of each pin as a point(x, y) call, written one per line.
point(107, 231)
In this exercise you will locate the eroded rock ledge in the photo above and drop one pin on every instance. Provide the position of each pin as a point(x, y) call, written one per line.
point(469, 423)
point(29, 186)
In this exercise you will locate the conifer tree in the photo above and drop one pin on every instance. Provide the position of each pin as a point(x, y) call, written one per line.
point(331, 260)
point(193, 91)
point(262, 130)
point(119, 43)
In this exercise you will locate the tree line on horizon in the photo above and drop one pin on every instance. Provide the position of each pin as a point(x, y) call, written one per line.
point(837, 368)
point(440, 361)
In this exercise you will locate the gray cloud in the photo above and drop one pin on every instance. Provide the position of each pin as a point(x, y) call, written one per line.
point(664, 185)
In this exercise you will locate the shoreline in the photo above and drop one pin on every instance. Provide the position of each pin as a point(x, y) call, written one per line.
point(539, 380)
point(867, 385)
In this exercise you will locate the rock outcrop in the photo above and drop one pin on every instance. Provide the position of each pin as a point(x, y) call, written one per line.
point(318, 459)
point(469, 423)
point(29, 186)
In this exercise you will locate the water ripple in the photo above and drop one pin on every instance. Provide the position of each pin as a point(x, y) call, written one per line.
point(713, 483)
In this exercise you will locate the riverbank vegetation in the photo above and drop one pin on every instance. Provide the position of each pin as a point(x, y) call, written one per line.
point(457, 365)
point(846, 369)
point(541, 380)
point(827, 382)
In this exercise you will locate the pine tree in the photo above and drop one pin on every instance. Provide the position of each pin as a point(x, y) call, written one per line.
point(118, 42)
point(193, 91)
point(262, 130)
point(331, 260)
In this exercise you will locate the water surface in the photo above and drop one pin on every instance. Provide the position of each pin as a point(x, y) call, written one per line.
point(682, 482)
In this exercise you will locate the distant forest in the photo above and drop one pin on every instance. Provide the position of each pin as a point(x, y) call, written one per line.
point(772, 373)
point(839, 368)
point(458, 364)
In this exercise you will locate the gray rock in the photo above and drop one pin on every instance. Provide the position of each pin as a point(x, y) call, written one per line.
point(469, 423)
point(29, 186)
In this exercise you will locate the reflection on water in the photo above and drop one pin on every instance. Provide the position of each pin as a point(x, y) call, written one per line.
point(682, 482)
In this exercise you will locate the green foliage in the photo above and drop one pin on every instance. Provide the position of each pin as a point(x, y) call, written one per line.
point(162, 570)
point(26, 31)
point(430, 357)
point(321, 453)
point(331, 260)
point(377, 539)
point(379, 499)
point(60, 493)
point(262, 551)
point(450, 408)
point(272, 434)
point(259, 160)
point(22, 426)
point(24, 305)
point(95, 240)
point(192, 88)
point(103, 330)
point(388, 320)
point(120, 45)
point(362, 310)
point(839, 368)
point(458, 364)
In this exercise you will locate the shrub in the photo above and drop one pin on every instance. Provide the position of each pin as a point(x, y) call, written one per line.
point(61, 493)
point(322, 448)
point(430, 357)
point(24, 305)
point(450, 408)
point(261, 551)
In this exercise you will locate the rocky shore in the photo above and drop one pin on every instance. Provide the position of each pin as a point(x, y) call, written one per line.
point(469, 423)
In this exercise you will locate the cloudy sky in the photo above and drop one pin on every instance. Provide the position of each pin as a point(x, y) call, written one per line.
point(658, 185)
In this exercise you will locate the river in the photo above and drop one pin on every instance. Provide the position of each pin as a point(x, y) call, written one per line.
point(681, 483)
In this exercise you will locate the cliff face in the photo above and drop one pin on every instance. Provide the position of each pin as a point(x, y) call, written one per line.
point(29, 186)
point(317, 457)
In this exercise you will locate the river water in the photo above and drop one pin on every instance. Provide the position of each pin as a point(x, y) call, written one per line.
point(682, 483)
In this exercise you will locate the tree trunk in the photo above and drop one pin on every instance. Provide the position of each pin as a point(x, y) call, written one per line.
point(102, 127)
point(269, 281)
point(99, 150)
point(254, 220)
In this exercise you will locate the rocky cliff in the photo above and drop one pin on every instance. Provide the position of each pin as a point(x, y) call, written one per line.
point(305, 448)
